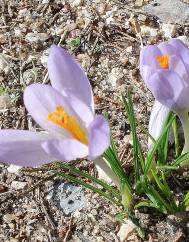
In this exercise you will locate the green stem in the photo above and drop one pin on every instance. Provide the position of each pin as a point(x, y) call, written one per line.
point(185, 124)
point(100, 162)
point(175, 131)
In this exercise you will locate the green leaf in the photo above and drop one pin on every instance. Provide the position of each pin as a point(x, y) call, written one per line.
point(116, 167)
point(84, 174)
point(163, 146)
point(75, 43)
point(180, 159)
point(151, 155)
point(186, 200)
point(175, 131)
point(145, 204)
point(137, 150)
point(167, 167)
point(121, 216)
point(88, 186)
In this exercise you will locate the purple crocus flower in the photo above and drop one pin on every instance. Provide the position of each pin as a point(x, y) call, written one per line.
point(66, 111)
point(165, 70)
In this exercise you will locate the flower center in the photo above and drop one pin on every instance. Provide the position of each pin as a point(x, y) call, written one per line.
point(163, 61)
point(64, 120)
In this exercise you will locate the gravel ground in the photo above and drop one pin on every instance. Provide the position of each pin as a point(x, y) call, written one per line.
point(105, 37)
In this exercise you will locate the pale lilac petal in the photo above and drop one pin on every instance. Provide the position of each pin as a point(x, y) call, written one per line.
point(40, 100)
point(23, 148)
point(178, 66)
point(99, 137)
point(157, 121)
point(81, 109)
point(148, 57)
point(167, 49)
point(147, 72)
point(169, 89)
point(67, 75)
point(181, 49)
point(66, 150)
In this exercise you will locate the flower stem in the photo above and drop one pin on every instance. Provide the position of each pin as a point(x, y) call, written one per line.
point(100, 162)
point(185, 124)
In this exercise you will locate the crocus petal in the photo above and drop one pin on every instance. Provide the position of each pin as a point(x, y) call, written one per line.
point(182, 50)
point(40, 100)
point(99, 137)
point(66, 150)
point(67, 75)
point(23, 148)
point(177, 65)
point(169, 89)
point(148, 57)
point(167, 49)
point(157, 121)
point(81, 109)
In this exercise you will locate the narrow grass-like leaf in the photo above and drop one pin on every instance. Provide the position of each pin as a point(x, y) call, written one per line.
point(137, 150)
point(176, 138)
point(116, 167)
point(186, 200)
point(167, 167)
point(163, 147)
point(148, 204)
point(90, 187)
point(76, 171)
point(150, 157)
point(164, 188)
point(180, 159)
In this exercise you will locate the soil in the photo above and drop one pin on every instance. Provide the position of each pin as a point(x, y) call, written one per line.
point(105, 37)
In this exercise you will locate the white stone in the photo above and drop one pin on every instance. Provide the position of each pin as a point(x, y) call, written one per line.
point(115, 74)
point(169, 30)
point(4, 63)
point(23, 13)
point(126, 230)
point(142, 17)
point(110, 20)
point(75, 3)
point(129, 49)
point(9, 217)
point(35, 37)
point(14, 169)
point(147, 30)
point(139, 3)
point(17, 185)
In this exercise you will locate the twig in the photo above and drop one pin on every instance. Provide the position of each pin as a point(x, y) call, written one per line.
point(45, 79)
point(36, 185)
point(68, 232)
point(44, 210)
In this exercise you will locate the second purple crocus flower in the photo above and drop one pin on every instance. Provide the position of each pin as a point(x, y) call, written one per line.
point(165, 70)
point(66, 111)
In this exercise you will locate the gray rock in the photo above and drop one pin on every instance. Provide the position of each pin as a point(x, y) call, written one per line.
point(29, 76)
point(169, 11)
point(5, 101)
point(68, 197)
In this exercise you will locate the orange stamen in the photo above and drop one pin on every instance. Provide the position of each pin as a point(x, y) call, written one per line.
point(163, 61)
point(64, 120)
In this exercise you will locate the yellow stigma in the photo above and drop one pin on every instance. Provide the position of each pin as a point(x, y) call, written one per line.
point(64, 120)
point(163, 61)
